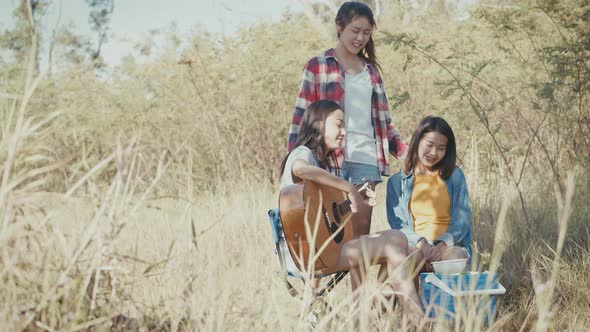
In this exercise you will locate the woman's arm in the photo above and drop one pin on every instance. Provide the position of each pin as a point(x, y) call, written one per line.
point(397, 147)
point(303, 170)
point(307, 95)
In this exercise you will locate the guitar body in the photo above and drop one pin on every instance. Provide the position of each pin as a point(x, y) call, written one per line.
point(309, 208)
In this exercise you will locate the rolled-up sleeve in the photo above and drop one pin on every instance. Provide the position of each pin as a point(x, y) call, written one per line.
point(460, 223)
point(307, 94)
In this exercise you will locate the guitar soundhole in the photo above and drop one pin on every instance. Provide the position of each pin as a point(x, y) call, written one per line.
point(333, 225)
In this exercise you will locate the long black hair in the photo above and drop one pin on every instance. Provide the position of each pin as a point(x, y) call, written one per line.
point(433, 124)
point(346, 14)
point(311, 131)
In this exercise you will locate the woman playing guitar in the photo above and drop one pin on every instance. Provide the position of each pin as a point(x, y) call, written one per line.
point(321, 133)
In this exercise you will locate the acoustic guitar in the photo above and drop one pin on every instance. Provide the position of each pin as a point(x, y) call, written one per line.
point(316, 217)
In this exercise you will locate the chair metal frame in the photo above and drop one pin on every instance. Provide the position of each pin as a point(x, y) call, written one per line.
point(279, 235)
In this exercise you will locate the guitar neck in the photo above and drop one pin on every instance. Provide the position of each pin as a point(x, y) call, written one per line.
point(344, 207)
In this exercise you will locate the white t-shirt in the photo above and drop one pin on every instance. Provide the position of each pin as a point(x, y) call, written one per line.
point(300, 152)
point(360, 146)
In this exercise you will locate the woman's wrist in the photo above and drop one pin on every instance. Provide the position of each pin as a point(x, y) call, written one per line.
point(351, 188)
point(437, 242)
point(421, 240)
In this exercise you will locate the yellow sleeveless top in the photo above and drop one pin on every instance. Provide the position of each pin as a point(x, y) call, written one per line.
point(430, 206)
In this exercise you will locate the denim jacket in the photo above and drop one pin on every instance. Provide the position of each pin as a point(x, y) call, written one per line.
point(399, 192)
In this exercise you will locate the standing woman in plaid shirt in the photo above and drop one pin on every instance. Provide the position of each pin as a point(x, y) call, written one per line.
point(349, 75)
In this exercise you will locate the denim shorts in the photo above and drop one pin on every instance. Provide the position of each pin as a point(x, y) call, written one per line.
point(358, 173)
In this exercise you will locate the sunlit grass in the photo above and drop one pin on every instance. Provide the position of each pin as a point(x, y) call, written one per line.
point(148, 210)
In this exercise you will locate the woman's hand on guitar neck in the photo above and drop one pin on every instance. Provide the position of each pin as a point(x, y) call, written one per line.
point(368, 194)
point(371, 196)
point(356, 198)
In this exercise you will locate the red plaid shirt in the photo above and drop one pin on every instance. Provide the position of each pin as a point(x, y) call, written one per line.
point(323, 78)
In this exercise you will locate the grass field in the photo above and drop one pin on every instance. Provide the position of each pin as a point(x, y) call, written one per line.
point(139, 201)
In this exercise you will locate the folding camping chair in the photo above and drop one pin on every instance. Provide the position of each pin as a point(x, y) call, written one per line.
point(287, 266)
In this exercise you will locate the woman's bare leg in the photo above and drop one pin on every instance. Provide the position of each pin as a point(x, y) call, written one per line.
point(388, 248)
point(415, 262)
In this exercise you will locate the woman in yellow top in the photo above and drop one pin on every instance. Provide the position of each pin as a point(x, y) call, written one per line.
point(428, 201)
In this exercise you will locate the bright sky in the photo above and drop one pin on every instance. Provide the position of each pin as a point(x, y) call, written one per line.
point(132, 19)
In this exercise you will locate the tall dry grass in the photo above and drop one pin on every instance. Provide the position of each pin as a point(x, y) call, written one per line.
point(140, 201)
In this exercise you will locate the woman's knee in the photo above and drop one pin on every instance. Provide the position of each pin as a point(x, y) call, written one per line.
point(351, 256)
point(417, 260)
point(397, 238)
point(417, 255)
point(454, 253)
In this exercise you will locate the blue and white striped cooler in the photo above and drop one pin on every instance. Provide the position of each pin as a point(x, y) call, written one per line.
point(449, 295)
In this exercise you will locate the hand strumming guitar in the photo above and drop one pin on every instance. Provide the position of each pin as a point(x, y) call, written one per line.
point(357, 196)
point(355, 199)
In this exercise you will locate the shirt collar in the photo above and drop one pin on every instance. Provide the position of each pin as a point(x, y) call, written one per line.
point(409, 175)
point(331, 53)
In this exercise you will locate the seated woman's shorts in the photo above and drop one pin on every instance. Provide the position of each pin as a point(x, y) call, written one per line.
point(357, 173)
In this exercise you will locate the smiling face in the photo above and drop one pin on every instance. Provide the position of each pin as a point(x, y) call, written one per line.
point(355, 35)
point(334, 130)
point(431, 150)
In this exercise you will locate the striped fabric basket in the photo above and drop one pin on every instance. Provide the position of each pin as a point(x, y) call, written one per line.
point(460, 295)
